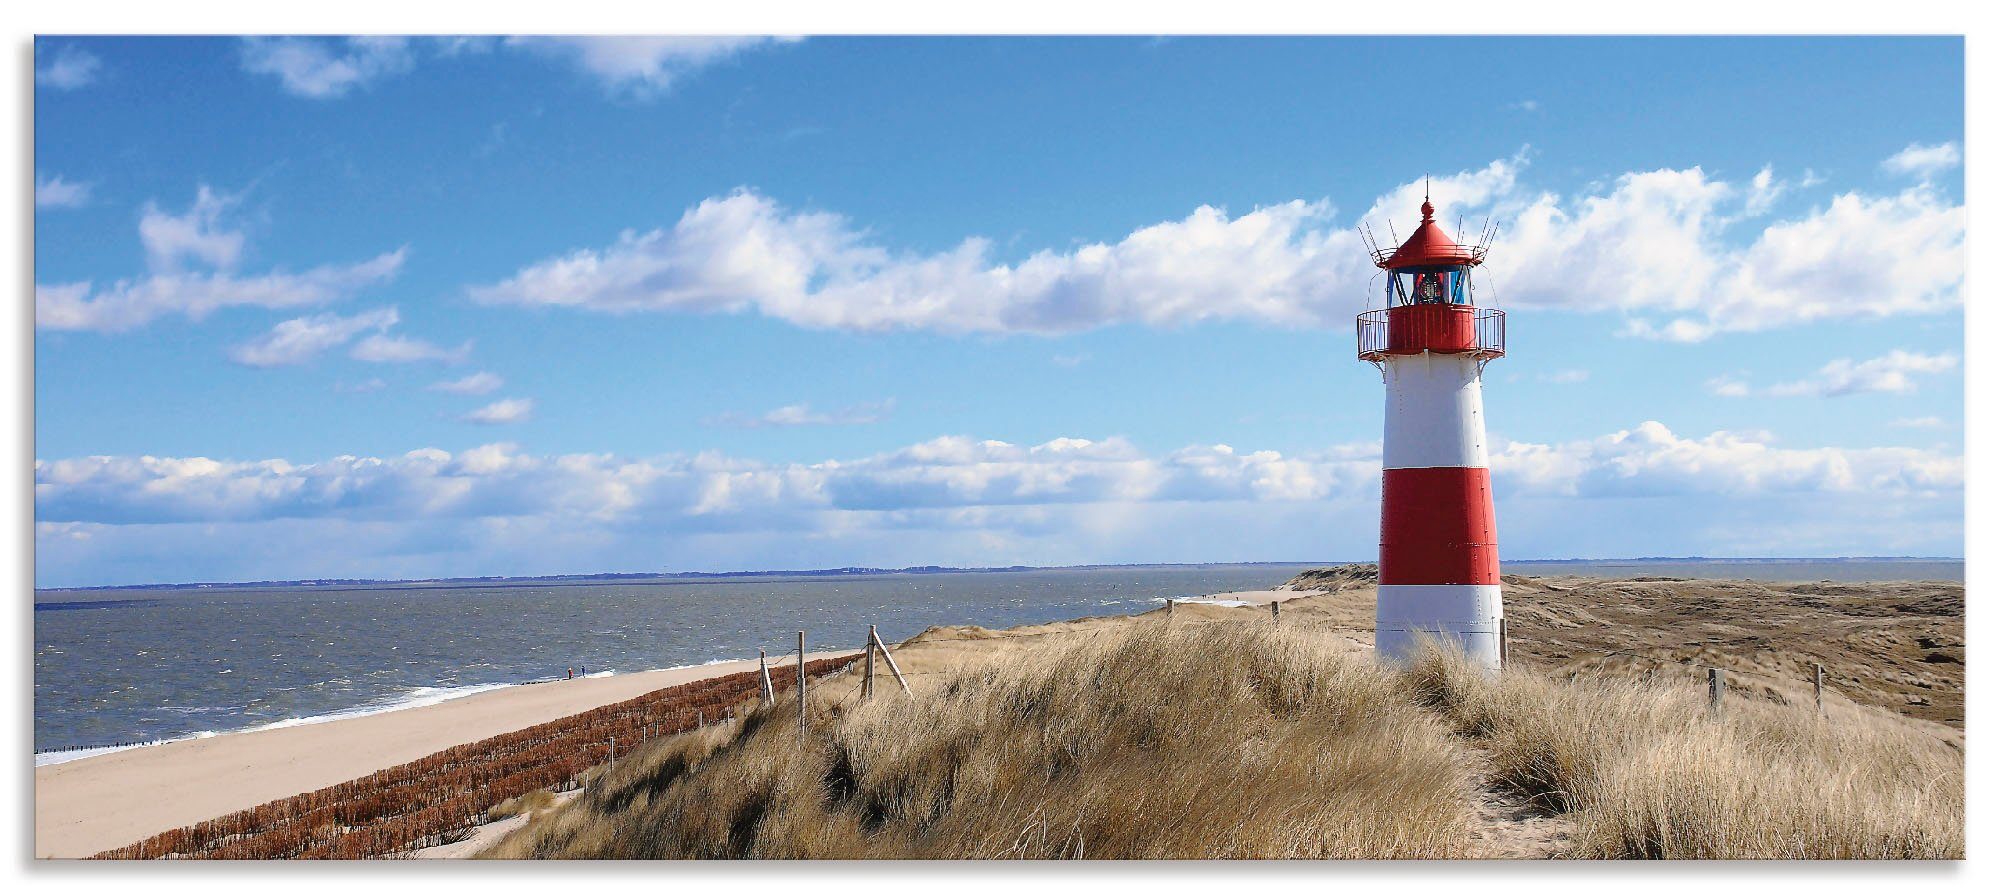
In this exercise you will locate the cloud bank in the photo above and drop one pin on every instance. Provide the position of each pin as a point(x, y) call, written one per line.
point(957, 499)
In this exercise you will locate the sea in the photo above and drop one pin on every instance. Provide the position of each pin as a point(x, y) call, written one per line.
point(115, 667)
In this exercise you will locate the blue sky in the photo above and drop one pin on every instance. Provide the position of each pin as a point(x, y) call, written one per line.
point(438, 307)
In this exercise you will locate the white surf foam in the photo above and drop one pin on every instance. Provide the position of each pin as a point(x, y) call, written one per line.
point(420, 697)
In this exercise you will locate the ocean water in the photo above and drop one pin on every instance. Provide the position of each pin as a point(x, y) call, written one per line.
point(138, 665)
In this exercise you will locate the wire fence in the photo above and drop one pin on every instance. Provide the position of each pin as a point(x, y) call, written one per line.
point(1716, 674)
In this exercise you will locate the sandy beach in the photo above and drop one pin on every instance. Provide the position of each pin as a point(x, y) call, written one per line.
point(86, 806)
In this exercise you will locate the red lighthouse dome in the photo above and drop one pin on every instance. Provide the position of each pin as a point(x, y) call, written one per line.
point(1429, 247)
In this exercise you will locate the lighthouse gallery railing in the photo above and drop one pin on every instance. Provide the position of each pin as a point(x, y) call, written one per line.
point(1441, 328)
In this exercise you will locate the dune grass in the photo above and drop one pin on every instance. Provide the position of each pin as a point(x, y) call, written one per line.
point(1645, 772)
point(533, 802)
point(1193, 742)
point(1242, 741)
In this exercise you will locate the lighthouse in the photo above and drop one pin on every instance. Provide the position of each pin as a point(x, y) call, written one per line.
point(1440, 563)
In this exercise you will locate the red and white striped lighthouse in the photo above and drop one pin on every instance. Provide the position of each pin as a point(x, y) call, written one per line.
point(1440, 564)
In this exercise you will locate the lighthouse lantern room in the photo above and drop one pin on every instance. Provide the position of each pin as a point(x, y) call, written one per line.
point(1440, 564)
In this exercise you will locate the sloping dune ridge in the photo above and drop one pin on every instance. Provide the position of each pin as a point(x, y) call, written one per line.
point(1203, 731)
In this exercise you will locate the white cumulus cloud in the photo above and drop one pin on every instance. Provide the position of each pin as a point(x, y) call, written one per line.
point(1920, 160)
point(797, 415)
point(1918, 422)
point(502, 412)
point(193, 258)
point(325, 68)
point(66, 67)
point(56, 192)
point(1681, 254)
point(328, 68)
point(1890, 373)
point(746, 252)
point(197, 235)
point(476, 383)
point(385, 348)
point(643, 65)
point(299, 340)
point(1650, 460)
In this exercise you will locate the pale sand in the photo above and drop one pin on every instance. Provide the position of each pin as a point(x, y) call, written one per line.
point(485, 836)
point(97, 803)
point(1257, 597)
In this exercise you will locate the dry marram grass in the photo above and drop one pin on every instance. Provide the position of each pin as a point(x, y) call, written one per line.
point(1194, 742)
point(1647, 773)
point(1230, 740)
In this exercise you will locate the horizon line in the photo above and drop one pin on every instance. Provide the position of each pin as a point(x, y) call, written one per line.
point(910, 569)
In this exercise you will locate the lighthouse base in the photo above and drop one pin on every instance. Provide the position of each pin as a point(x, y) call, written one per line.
point(1464, 616)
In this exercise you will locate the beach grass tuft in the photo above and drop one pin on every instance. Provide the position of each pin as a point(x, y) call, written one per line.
point(1223, 741)
point(1647, 772)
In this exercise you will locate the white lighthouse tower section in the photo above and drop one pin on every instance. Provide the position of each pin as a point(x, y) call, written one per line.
point(1464, 614)
point(1434, 416)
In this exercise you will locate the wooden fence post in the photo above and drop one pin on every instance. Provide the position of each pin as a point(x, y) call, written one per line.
point(1819, 684)
point(868, 672)
point(1503, 643)
point(1170, 609)
point(1715, 684)
point(890, 660)
point(614, 751)
point(1274, 612)
point(802, 682)
point(764, 671)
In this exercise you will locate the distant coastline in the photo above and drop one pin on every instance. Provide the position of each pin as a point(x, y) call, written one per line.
point(865, 571)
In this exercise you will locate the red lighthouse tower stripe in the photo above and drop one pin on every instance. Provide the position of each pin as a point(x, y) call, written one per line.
point(1437, 527)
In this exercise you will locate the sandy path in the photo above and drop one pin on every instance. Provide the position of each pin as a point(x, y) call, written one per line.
point(1505, 825)
point(90, 805)
point(487, 835)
